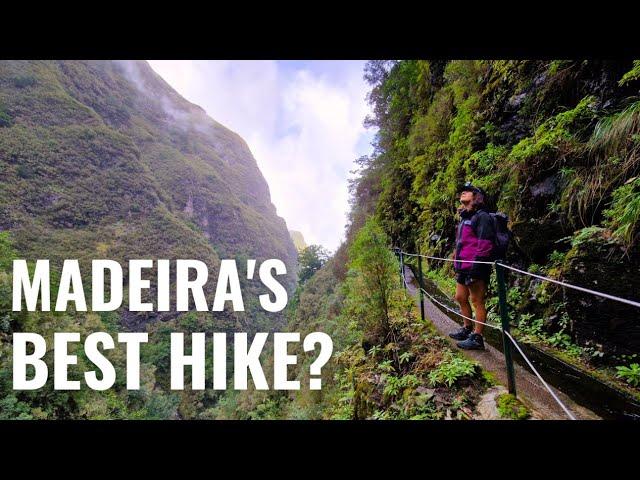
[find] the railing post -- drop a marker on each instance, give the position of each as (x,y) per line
(420,287)
(404,285)
(504,317)
(396,252)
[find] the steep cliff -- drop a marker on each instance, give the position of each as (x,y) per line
(298,239)
(556,146)
(104,159)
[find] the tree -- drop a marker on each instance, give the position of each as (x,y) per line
(311,259)
(373,279)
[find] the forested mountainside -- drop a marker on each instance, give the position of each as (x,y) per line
(96,155)
(556,144)
(102,159)
(386,363)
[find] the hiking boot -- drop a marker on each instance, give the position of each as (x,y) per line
(462,334)
(473,342)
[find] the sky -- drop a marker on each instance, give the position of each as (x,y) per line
(302,120)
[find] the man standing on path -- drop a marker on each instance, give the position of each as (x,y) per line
(474,242)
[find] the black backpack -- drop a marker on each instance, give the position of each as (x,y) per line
(504,236)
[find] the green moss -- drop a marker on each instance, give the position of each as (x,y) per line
(489,378)
(584,235)
(631,75)
(7,251)
(553,133)
(555,143)
(557,65)
(511,408)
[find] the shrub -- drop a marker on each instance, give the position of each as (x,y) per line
(373,278)
(24,81)
(5,119)
(452,369)
(25,171)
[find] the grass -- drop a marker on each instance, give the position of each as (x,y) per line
(623,214)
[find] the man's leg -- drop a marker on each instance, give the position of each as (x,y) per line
(462,297)
(478,294)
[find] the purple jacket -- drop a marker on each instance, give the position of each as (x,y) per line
(474,240)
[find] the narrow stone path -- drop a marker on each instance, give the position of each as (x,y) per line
(529,388)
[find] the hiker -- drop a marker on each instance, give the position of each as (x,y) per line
(474,241)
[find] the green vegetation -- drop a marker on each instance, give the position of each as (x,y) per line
(95,164)
(103,159)
(451,370)
(553,134)
(386,363)
(511,408)
(5,119)
(47,403)
(556,146)
(310,260)
(631,75)
(24,81)
(630,374)
(90,166)
(623,216)
(372,282)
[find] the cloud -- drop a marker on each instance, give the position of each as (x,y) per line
(302,122)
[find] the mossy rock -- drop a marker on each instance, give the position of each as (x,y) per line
(364,404)
(509,407)
(598,262)
(536,237)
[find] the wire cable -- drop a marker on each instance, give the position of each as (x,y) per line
(546,386)
(446,259)
(524,272)
(575,287)
(458,313)
(551,392)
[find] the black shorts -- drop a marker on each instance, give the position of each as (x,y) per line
(480,272)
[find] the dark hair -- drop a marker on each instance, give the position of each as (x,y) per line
(478,200)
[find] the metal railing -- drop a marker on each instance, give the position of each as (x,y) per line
(507,338)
